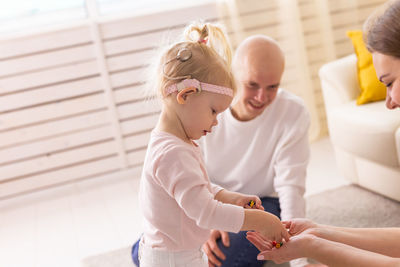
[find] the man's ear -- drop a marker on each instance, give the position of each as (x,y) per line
(181,96)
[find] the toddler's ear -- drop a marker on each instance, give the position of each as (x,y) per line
(181,96)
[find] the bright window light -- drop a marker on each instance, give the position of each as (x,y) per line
(17,15)
(21,15)
(137,7)
(117,6)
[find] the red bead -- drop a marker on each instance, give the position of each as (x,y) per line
(274,243)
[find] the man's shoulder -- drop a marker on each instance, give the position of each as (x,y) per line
(290,100)
(291,108)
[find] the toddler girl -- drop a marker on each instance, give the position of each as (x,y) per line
(179,204)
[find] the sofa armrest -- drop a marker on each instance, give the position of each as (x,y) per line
(339,81)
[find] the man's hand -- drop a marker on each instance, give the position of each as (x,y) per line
(212,250)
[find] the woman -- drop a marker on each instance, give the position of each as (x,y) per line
(383,40)
(338,246)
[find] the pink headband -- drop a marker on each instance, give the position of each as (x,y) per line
(177,87)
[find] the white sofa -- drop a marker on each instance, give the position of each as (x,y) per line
(366,138)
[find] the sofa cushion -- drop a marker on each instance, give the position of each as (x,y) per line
(371,88)
(339,81)
(368,131)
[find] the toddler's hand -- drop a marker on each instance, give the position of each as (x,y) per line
(274,229)
(239,199)
(249,201)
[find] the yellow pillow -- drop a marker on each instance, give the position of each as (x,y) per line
(371,88)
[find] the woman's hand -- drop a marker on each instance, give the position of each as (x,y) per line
(299,225)
(294,249)
(265,245)
(259,241)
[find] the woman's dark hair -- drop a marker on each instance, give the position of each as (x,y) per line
(383,31)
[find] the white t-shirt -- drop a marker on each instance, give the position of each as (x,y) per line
(266,156)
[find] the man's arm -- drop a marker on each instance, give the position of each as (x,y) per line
(292,157)
(290,169)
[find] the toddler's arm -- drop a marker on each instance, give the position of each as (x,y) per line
(267,224)
(238,199)
(258,220)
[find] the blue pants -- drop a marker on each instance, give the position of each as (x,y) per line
(241,252)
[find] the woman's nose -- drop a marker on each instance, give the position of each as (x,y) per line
(390,104)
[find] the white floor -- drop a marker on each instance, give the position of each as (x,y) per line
(59,227)
(322,172)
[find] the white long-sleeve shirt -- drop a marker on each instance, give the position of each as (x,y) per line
(177,198)
(266,156)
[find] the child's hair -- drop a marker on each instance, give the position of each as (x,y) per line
(210,60)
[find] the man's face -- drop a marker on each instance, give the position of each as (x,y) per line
(258,87)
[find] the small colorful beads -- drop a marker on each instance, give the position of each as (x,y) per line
(277,245)
(251,203)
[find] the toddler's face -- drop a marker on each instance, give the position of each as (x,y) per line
(199,113)
(388,72)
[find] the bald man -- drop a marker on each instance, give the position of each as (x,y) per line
(260,147)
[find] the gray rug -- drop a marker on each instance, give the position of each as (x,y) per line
(353,206)
(349,206)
